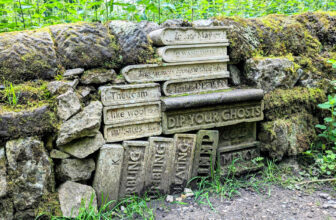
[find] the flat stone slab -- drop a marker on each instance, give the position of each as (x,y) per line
(192,101)
(115,133)
(197,52)
(205,153)
(196,85)
(188,35)
(134,168)
(240,156)
(237,134)
(160,165)
(108,173)
(190,119)
(183,162)
(126,114)
(129,94)
(171,71)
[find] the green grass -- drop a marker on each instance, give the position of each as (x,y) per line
(31,14)
(216,185)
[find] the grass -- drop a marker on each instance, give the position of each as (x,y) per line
(216,185)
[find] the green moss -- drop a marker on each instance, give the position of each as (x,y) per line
(49,206)
(282,103)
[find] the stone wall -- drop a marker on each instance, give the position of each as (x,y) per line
(127,93)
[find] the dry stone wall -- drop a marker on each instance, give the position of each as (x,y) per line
(191,95)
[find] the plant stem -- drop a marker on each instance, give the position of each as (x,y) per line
(22,16)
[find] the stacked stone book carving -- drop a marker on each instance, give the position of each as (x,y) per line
(158,142)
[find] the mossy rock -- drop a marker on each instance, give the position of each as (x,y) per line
(37,121)
(282,103)
(85,45)
(27,55)
(288,136)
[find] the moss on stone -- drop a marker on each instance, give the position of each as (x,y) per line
(281,103)
(49,206)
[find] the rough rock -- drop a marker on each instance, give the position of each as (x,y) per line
(60,87)
(175,23)
(68,105)
(6,209)
(75,169)
(235,75)
(83,124)
(84,147)
(39,121)
(73,73)
(98,76)
(282,103)
(3,171)
(271,73)
(30,172)
(72,194)
(133,40)
(287,137)
(170,198)
(27,55)
(148,26)
(56,154)
(84,45)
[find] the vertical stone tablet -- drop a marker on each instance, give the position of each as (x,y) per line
(160,165)
(134,168)
(108,171)
(237,134)
(205,153)
(129,94)
(184,157)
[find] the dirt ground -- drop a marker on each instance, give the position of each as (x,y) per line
(275,203)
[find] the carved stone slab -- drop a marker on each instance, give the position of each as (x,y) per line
(205,153)
(188,35)
(195,85)
(134,168)
(126,114)
(160,165)
(210,117)
(237,134)
(184,157)
(108,171)
(129,94)
(240,156)
(170,71)
(115,133)
(197,52)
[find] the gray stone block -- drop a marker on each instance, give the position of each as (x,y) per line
(84,147)
(196,85)
(68,105)
(160,165)
(183,161)
(196,52)
(134,168)
(190,119)
(75,169)
(71,195)
(115,133)
(188,35)
(108,174)
(238,95)
(174,71)
(205,153)
(129,94)
(126,114)
(237,134)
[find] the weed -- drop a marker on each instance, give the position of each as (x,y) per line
(9,94)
